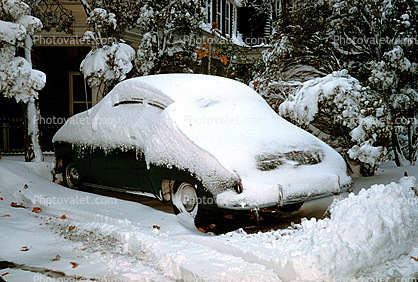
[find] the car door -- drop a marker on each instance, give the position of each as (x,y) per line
(116,167)
(121,167)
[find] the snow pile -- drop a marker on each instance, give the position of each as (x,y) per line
(107,241)
(368,236)
(364,231)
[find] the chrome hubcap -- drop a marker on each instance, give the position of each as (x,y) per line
(188,196)
(72,176)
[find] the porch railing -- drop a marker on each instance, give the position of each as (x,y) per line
(12,136)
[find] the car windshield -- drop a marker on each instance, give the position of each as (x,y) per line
(271,161)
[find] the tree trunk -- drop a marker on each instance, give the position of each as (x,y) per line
(33,151)
(399,157)
(410,147)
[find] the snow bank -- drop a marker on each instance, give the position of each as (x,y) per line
(364,232)
(128,250)
(371,235)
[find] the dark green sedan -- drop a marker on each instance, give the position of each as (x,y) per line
(200,142)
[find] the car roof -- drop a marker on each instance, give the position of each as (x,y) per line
(196,89)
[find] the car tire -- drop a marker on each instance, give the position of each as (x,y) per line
(71,177)
(186,205)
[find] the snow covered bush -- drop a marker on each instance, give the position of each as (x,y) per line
(395,77)
(109,61)
(376,42)
(17,78)
(348,116)
(298,46)
(108,64)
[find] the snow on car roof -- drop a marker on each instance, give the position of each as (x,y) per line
(195,89)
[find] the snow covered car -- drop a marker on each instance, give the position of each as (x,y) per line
(199,141)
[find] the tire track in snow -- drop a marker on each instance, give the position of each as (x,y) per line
(160,253)
(54,274)
(175,259)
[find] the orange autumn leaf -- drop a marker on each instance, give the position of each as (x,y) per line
(6,215)
(255,83)
(63,216)
(202,55)
(73,264)
(71,227)
(36,210)
(1,198)
(56,258)
(201,229)
(414,258)
(223,59)
(4,274)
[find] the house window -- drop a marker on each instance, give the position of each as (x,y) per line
(222,12)
(80,94)
(228,20)
(219,16)
(208,10)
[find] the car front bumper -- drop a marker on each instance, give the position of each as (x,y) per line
(282,195)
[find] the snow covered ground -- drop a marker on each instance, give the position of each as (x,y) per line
(51,233)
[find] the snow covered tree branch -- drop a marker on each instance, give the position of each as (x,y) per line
(109,60)
(165,27)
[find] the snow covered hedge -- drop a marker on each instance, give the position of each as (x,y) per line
(358,115)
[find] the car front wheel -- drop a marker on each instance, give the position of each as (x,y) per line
(187,207)
(71,177)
